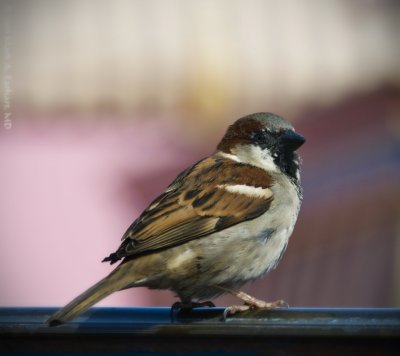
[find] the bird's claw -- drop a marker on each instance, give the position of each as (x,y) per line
(234,309)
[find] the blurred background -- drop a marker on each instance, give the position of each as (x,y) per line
(105,102)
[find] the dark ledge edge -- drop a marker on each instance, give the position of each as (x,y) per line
(209,321)
(118,331)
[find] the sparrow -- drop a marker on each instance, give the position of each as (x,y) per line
(221,223)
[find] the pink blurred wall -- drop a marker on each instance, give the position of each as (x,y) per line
(64,207)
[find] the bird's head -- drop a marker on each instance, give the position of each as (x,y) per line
(264,140)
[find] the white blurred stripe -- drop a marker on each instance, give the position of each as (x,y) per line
(205,55)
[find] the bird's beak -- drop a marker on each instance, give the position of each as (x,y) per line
(291,141)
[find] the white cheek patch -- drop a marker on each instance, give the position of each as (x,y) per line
(256,156)
(248,190)
(263,158)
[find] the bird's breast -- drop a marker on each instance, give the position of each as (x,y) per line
(252,248)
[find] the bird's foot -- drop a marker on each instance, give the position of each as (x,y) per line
(249,303)
(190,305)
(259,304)
(184,308)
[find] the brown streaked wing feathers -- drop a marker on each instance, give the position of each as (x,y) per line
(187,211)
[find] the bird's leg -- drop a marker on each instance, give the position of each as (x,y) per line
(254,302)
(249,302)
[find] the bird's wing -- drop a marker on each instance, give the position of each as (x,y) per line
(214,194)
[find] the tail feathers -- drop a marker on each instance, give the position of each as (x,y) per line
(112,283)
(113,258)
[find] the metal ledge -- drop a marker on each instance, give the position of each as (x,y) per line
(294,330)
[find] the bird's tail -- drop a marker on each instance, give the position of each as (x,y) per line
(116,280)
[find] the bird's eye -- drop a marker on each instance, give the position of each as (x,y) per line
(260,136)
